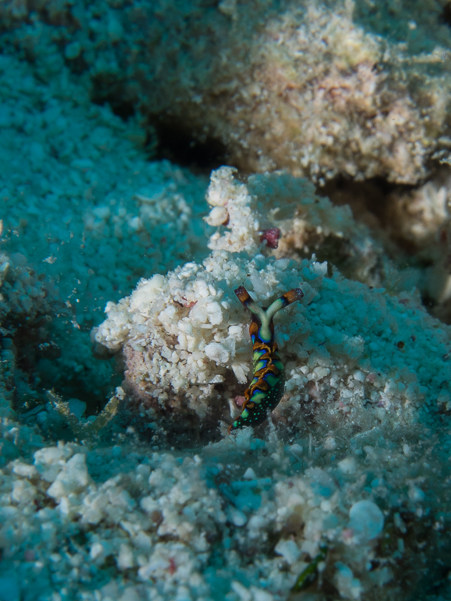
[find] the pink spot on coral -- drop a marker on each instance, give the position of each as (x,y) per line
(187,303)
(347,534)
(271,237)
(239,401)
(172,566)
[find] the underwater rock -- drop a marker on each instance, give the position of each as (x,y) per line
(312,88)
(366,519)
(29,301)
(81,200)
(26,297)
(349,480)
(352,352)
(157,520)
(420,222)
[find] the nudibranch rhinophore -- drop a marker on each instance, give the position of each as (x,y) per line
(266,388)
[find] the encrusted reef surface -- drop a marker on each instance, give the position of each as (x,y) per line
(317,88)
(118,478)
(354,350)
(124,522)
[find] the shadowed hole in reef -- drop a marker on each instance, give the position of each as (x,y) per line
(122,109)
(370,202)
(446,14)
(40,366)
(179,144)
(109,90)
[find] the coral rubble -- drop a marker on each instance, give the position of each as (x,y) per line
(313,88)
(347,346)
(133,490)
(122,522)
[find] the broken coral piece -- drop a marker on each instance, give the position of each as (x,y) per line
(350,347)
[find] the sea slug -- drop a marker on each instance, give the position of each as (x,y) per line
(266,388)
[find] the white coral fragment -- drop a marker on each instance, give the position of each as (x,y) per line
(366,519)
(182,332)
(218,216)
(216,352)
(225,191)
(73,478)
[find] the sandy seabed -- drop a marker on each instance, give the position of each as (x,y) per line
(118,478)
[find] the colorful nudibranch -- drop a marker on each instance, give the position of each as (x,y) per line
(266,388)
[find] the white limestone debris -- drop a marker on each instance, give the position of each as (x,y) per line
(350,350)
(322,90)
(146,497)
(158,519)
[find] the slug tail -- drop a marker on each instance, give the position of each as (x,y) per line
(243,295)
(293,295)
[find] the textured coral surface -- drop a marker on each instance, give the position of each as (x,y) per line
(319,89)
(118,480)
(348,346)
(363,365)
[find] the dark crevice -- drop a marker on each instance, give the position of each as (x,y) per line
(180,145)
(369,200)
(108,89)
(371,203)
(77,65)
(121,108)
(446,14)
(167,137)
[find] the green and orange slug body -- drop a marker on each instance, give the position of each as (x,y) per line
(266,388)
